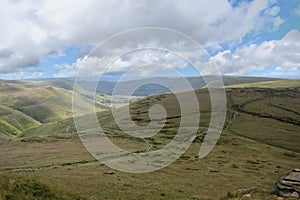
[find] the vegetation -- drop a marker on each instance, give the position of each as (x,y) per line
(268,84)
(25,105)
(105,87)
(259,143)
(13,122)
(12,188)
(270,116)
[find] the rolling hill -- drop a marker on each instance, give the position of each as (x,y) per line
(268,84)
(268,115)
(106,87)
(28,104)
(259,143)
(13,122)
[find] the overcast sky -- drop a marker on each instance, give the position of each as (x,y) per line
(41,39)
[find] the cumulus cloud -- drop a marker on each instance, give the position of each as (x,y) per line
(35,31)
(282,54)
(143,63)
(141,50)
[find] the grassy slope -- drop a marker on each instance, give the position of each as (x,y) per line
(253,152)
(19,188)
(13,122)
(271,116)
(44,104)
(268,84)
(26,104)
(273,149)
(153,89)
(44,101)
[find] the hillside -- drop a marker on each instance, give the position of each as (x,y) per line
(27,104)
(13,122)
(259,143)
(271,116)
(44,104)
(106,87)
(268,84)
(48,100)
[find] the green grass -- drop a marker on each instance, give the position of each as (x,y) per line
(15,188)
(48,101)
(44,104)
(24,105)
(268,84)
(254,151)
(271,116)
(235,163)
(13,122)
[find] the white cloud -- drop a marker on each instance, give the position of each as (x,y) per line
(68,70)
(142,63)
(37,74)
(32,31)
(283,54)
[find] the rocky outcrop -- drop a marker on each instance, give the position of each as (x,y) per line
(288,185)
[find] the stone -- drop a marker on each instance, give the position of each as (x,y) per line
(288,185)
(109,172)
(246,196)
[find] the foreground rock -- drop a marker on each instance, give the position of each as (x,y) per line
(288,185)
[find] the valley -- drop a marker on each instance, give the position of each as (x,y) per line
(260,142)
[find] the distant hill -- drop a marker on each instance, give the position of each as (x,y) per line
(44,104)
(260,142)
(13,122)
(50,100)
(268,84)
(106,87)
(269,115)
(24,104)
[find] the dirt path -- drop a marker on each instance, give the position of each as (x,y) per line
(30,169)
(67,130)
(236,109)
(239,108)
(232,118)
(149,145)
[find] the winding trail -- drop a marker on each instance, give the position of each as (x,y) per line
(149,145)
(238,108)
(232,118)
(235,109)
(31,169)
(78,163)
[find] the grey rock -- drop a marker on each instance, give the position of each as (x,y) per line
(181,190)
(288,185)
(109,172)
(246,196)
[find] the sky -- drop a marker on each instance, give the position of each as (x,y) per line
(51,39)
